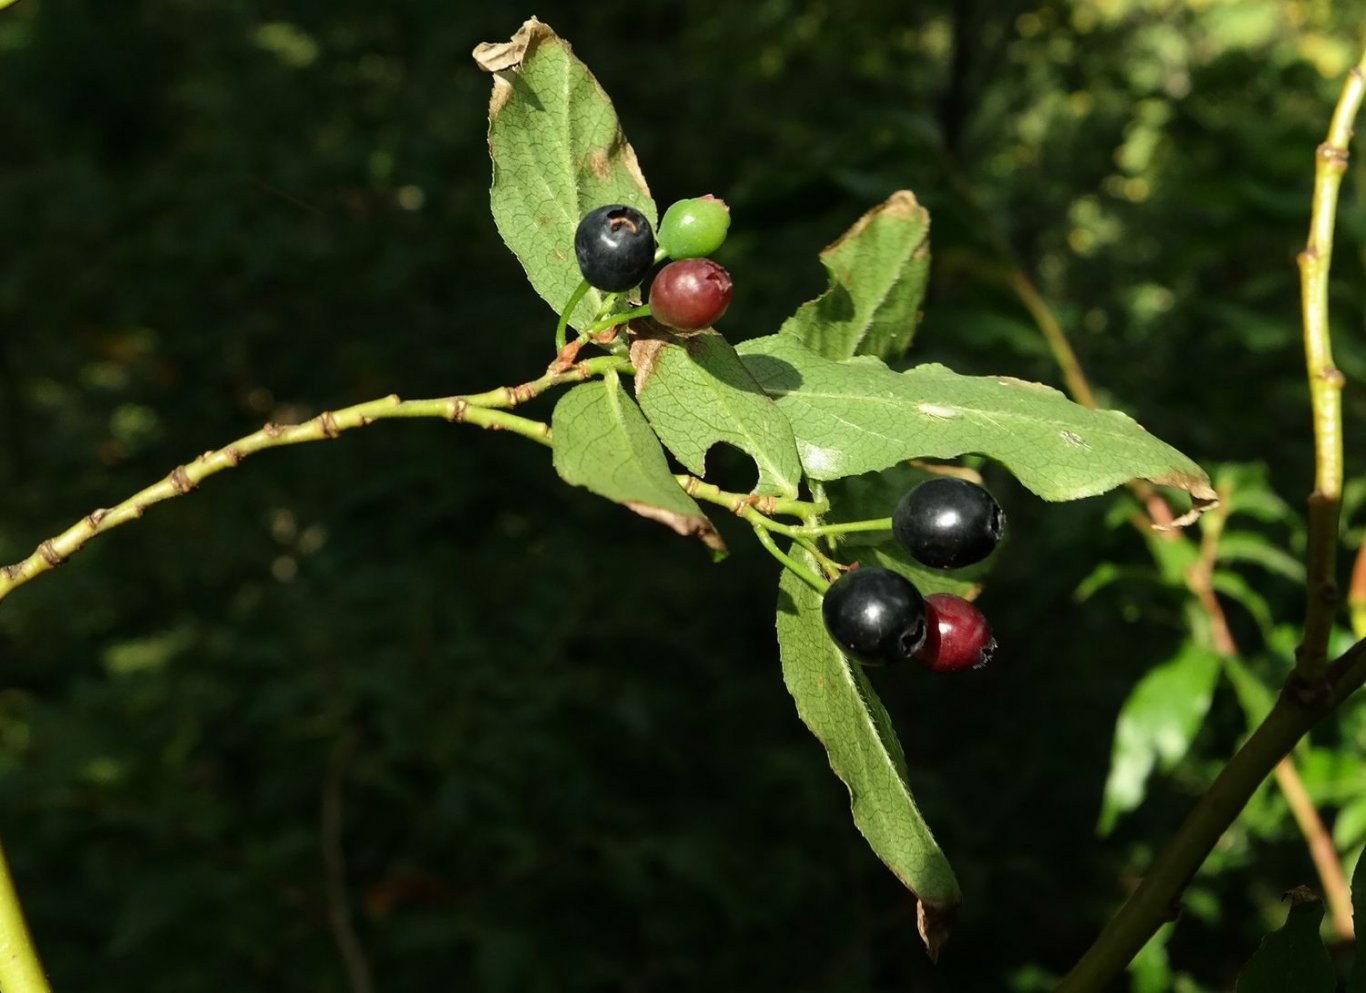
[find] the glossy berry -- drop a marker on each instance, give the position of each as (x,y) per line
(693,229)
(875,616)
(615,247)
(958,635)
(690,294)
(948,523)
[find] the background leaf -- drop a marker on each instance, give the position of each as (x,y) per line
(697,392)
(558,152)
(878,270)
(836,701)
(1292,957)
(603,443)
(1156,725)
(858,416)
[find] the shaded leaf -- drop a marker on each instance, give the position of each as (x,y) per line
(877,275)
(696,393)
(558,152)
(1254,696)
(858,416)
(1155,727)
(1238,589)
(836,701)
(1292,957)
(603,443)
(1247,546)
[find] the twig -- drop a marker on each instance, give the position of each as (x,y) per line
(357,964)
(487,410)
(1325,388)
(20,970)
(1356,594)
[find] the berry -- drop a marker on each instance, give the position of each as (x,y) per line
(690,294)
(948,523)
(958,637)
(875,616)
(692,229)
(615,247)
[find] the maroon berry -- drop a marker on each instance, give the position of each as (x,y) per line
(690,294)
(958,637)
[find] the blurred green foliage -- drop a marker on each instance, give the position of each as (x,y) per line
(559,736)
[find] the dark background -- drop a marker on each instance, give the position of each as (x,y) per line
(550,738)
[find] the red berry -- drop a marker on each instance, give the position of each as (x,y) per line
(958,637)
(690,294)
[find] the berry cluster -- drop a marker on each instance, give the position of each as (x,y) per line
(877,616)
(615,249)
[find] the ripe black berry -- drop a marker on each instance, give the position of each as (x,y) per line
(615,247)
(690,294)
(875,616)
(958,638)
(948,523)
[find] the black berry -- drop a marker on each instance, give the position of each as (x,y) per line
(948,523)
(958,635)
(875,616)
(690,294)
(615,247)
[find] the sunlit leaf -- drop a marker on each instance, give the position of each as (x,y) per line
(603,443)
(1156,726)
(836,701)
(1292,957)
(558,152)
(858,416)
(877,274)
(696,393)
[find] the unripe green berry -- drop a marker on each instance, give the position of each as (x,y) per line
(693,229)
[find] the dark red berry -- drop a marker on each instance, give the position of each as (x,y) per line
(875,616)
(958,637)
(615,247)
(948,523)
(690,294)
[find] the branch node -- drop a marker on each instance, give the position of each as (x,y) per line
(181,481)
(1333,377)
(273,430)
(327,422)
(235,455)
(50,554)
(456,409)
(93,519)
(1334,155)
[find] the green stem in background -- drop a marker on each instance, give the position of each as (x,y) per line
(561,329)
(486,410)
(20,970)
(1154,902)
(1325,386)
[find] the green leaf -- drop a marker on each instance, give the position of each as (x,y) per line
(1293,957)
(558,152)
(696,392)
(858,416)
(602,442)
(877,274)
(1151,971)
(1248,546)
(1254,696)
(1356,982)
(836,701)
(1156,725)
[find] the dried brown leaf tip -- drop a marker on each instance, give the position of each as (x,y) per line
(688,525)
(500,56)
(934,923)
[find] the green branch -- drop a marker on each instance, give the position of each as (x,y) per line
(486,410)
(1325,387)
